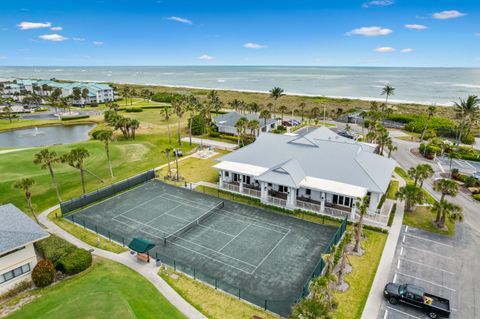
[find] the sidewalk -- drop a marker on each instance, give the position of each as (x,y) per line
(375,297)
(149,271)
(215,144)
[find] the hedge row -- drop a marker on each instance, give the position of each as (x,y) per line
(134,109)
(66,257)
(74,117)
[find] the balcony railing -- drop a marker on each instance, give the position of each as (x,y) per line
(277,201)
(309,206)
(252,192)
(336,212)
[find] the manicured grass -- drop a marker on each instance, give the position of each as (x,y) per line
(212,303)
(422,218)
(128,158)
(85,235)
(392,189)
(107,290)
(196,169)
(352,302)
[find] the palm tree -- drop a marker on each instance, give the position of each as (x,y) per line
(7,110)
(84,95)
(265,114)
(466,110)
(126,93)
(430,113)
(47,159)
(387,90)
(191,106)
(314,112)
(282,110)
(391,148)
(76,158)
(276,93)
(301,107)
(214,102)
(445,187)
(254,126)
(166,111)
(442,209)
(425,171)
(106,136)
(412,195)
(167,151)
(362,208)
(254,107)
(25,184)
(179,108)
(76,94)
(240,126)
(235,104)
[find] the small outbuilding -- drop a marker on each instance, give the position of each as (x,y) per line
(142,247)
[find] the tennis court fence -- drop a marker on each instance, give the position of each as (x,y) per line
(105,192)
(281,307)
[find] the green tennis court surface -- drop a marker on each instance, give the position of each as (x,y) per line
(264,257)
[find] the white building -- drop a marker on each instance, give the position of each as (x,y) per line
(319,171)
(226,122)
(17,254)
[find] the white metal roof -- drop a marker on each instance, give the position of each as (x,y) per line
(241,168)
(333,187)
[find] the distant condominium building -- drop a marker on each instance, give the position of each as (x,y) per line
(89,92)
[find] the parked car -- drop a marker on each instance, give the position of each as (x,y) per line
(286,123)
(415,296)
(476,175)
(177,152)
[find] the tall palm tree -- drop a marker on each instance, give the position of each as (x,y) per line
(426,171)
(391,148)
(254,107)
(235,104)
(362,208)
(446,187)
(214,102)
(47,159)
(254,126)
(126,93)
(240,126)
(412,195)
(388,91)
(76,94)
(106,136)
(192,107)
(466,110)
(84,95)
(314,112)
(430,113)
(442,209)
(276,93)
(76,158)
(7,111)
(265,114)
(25,184)
(167,151)
(179,108)
(301,107)
(166,111)
(282,110)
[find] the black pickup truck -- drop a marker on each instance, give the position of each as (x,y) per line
(414,296)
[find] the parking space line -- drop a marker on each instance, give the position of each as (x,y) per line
(428,266)
(395,278)
(403,313)
(385,315)
(398,264)
(458,163)
(403,238)
(401,251)
(429,252)
(427,281)
(430,240)
(406,229)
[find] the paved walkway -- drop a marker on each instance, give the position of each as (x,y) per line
(375,297)
(149,271)
(215,144)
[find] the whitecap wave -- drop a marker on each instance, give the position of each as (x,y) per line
(466,85)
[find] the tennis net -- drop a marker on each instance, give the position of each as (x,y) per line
(186,228)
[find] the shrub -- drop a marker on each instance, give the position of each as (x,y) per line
(53,248)
(198,125)
(43,273)
(164,97)
(75,262)
(134,109)
(93,104)
(18,288)
(74,117)
(477,197)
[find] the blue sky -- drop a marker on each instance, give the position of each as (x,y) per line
(243,32)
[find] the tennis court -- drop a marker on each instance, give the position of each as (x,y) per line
(261,256)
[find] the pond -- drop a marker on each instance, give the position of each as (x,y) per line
(45,135)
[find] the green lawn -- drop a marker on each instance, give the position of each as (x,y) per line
(403,174)
(196,169)
(352,302)
(422,218)
(128,158)
(107,290)
(85,235)
(392,190)
(212,303)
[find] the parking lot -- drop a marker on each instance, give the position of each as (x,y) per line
(429,261)
(460,164)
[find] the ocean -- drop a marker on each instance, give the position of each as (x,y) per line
(441,86)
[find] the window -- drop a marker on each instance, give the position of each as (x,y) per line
(347,201)
(14,273)
(226,174)
(308,191)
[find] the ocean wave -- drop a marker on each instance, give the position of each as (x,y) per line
(465,85)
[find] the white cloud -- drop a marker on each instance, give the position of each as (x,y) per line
(448,14)
(385,49)
(56,28)
(78,39)
(378,3)
(53,37)
(33,25)
(98,43)
(370,31)
(416,26)
(251,45)
(206,57)
(179,19)
(407,50)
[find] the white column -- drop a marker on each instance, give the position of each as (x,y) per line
(323,197)
(241,183)
(264,192)
(374,199)
(220,179)
(292,197)
(353,211)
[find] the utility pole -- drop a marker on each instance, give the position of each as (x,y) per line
(324,116)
